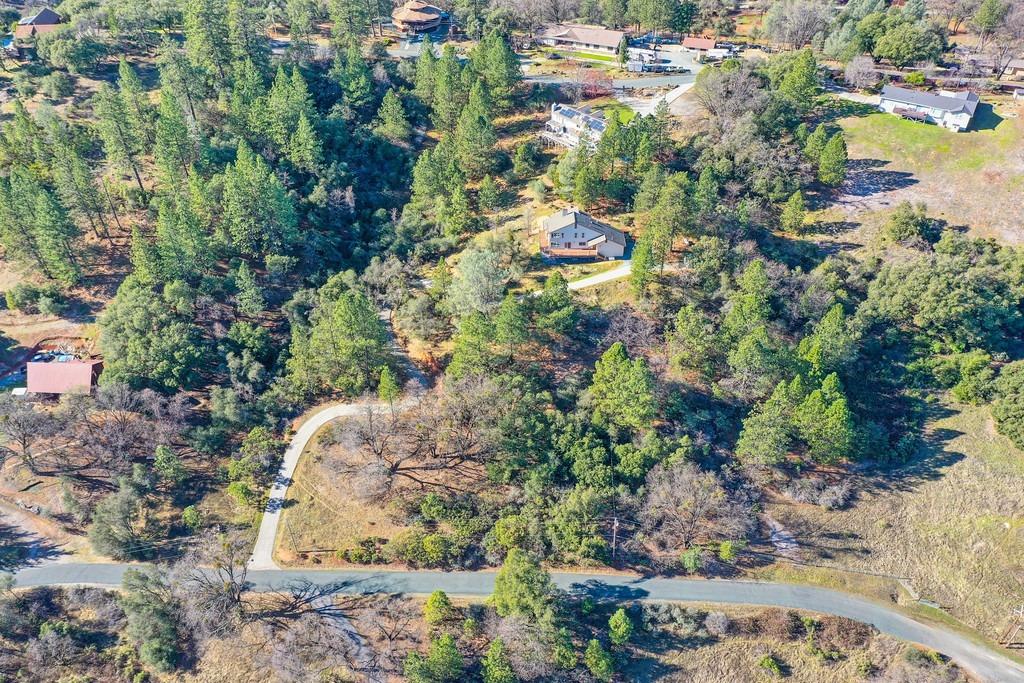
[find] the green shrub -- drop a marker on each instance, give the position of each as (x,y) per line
(29,298)
(57,85)
(914,78)
(770,664)
(367,551)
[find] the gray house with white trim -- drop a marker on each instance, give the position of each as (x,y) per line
(574,234)
(952,110)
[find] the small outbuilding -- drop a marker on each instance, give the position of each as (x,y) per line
(70,376)
(573,234)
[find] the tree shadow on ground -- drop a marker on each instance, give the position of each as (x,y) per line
(837,108)
(20,548)
(866,178)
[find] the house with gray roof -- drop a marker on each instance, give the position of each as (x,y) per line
(568,126)
(573,234)
(952,110)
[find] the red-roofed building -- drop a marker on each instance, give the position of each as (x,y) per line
(698,43)
(40,23)
(63,377)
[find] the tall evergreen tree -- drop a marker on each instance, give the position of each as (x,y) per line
(137,106)
(258,213)
(474,136)
(175,150)
(392,121)
(832,164)
(206,28)
(448,95)
(121,141)
(426,69)
(247,34)
(73,178)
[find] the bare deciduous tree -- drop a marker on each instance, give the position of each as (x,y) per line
(860,72)
(685,507)
(450,431)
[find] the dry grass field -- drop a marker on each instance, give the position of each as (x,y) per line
(952,522)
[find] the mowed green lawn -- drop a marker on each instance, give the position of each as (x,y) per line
(928,147)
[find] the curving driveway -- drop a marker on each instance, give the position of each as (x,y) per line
(263,551)
(975,658)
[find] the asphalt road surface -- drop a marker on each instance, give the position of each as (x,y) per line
(977,659)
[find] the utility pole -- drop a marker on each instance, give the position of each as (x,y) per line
(615,536)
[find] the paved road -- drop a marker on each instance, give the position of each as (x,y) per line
(622,83)
(977,659)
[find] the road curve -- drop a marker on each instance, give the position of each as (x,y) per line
(263,550)
(977,659)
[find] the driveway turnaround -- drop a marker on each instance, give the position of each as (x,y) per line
(977,659)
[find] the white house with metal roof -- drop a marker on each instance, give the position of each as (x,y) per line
(574,234)
(952,110)
(568,126)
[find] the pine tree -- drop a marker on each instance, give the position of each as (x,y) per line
(304,149)
(146,267)
(179,74)
(247,34)
(622,390)
(357,81)
(832,165)
(73,177)
(825,422)
(137,107)
(205,32)
(258,213)
(488,195)
(642,271)
(175,151)
(497,668)
(816,143)
(800,84)
(599,661)
(449,95)
(499,67)
(511,326)
(793,213)
(388,390)
(620,627)
(647,196)
(55,235)
(705,196)
(426,69)
(248,297)
(349,20)
(474,135)
(586,186)
(766,435)
(392,121)
(455,214)
(181,243)
(247,105)
(121,141)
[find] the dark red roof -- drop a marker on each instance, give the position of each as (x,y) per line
(68,377)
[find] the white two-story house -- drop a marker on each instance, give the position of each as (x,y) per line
(568,126)
(952,110)
(574,234)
